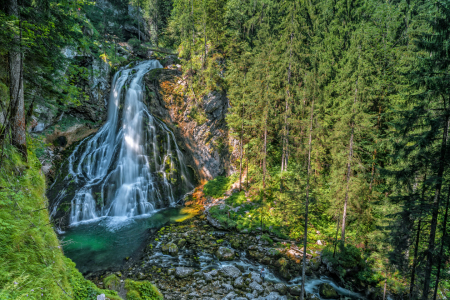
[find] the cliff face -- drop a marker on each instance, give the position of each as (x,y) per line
(198,124)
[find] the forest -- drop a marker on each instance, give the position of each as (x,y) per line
(338,109)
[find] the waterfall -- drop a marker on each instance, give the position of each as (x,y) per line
(132,166)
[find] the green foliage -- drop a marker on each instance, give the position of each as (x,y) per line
(34,266)
(236,199)
(142,290)
(217,187)
(197,114)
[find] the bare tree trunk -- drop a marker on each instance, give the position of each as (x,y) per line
(416,249)
(384,289)
(17,102)
(139,22)
(242,150)
(349,168)
(441,251)
(265,153)
(434,216)
(305,238)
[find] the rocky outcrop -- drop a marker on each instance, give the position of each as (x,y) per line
(198,124)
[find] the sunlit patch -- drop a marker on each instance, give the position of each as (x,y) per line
(131,143)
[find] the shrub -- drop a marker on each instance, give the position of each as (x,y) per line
(217,187)
(142,290)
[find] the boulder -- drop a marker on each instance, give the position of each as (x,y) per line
(170,248)
(272,296)
(225,253)
(311,297)
(230,271)
(182,272)
(295,290)
(227,287)
(256,277)
(239,282)
(280,288)
(326,291)
(254,286)
(181,243)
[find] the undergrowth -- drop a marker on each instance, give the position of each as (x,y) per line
(32,264)
(142,290)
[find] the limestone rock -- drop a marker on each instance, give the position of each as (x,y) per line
(225,253)
(295,290)
(170,248)
(239,282)
(181,272)
(280,288)
(256,287)
(231,271)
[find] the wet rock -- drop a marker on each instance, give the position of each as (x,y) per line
(272,296)
(256,287)
(239,282)
(170,248)
(225,253)
(312,297)
(101,297)
(230,271)
(228,287)
(182,272)
(181,243)
(327,291)
(280,288)
(256,277)
(208,277)
(214,223)
(193,295)
(295,290)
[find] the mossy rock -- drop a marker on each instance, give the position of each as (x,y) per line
(224,253)
(170,248)
(181,243)
(142,290)
(111,282)
(327,291)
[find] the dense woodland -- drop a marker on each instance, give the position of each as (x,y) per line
(341,110)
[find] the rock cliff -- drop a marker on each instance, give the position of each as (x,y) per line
(206,140)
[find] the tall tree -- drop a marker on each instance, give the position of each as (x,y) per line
(17,102)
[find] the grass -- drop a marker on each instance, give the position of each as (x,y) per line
(32,264)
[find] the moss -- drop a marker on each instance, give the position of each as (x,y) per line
(142,290)
(32,259)
(111,282)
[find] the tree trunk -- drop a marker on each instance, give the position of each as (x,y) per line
(349,168)
(416,249)
(242,153)
(18,130)
(305,238)
(434,217)
(265,153)
(444,237)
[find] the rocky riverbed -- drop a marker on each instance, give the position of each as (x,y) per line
(193,260)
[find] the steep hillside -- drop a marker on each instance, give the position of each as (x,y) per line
(33,265)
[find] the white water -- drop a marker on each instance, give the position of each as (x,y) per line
(119,167)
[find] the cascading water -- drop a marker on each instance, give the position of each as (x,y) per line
(133,165)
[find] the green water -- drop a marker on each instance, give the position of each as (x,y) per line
(106,243)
